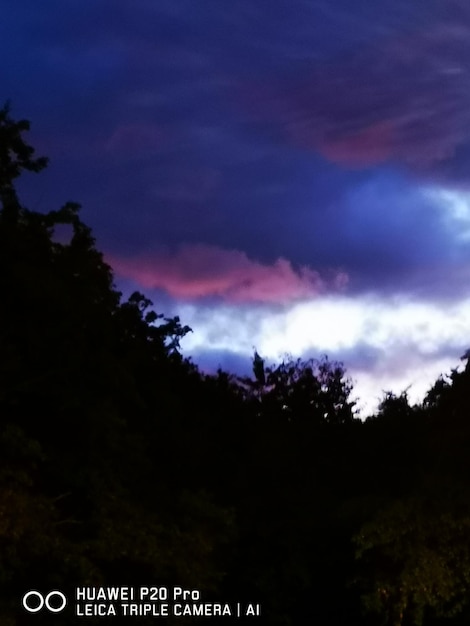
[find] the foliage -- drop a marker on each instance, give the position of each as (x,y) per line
(419,559)
(81,375)
(315,390)
(15,156)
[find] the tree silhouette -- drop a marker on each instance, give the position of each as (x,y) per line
(315,390)
(90,389)
(16,156)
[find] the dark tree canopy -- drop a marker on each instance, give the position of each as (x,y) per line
(16,156)
(313,390)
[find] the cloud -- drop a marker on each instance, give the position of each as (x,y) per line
(268,135)
(201,271)
(404,99)
(368,146)
(146,128)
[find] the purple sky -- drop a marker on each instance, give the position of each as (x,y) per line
(286,174)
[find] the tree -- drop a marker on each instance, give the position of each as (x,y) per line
(315,390)
(15,156)
(90,388)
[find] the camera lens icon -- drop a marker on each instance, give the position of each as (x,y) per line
(54,601)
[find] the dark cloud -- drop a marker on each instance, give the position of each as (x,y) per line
(274,129)
(235,157)
(402,100)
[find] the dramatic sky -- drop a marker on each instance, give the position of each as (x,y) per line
(290,175)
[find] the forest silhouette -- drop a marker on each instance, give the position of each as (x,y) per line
(123,464)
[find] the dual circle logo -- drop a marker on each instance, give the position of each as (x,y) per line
(55,601)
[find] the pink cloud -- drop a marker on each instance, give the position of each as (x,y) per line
(404,100)
(370,145)
(198,271)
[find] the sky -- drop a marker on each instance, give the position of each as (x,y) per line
(286,175)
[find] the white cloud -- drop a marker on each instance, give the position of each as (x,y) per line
(409,342)
(456,209)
